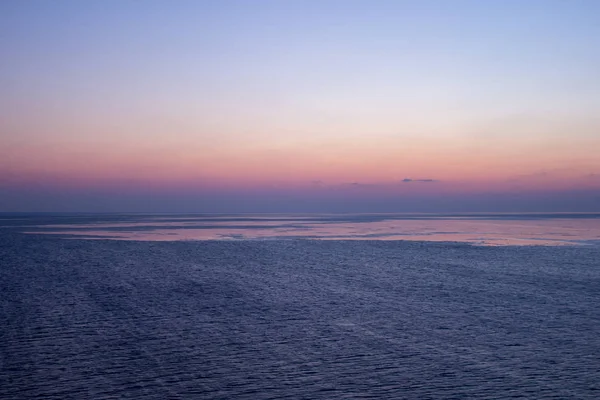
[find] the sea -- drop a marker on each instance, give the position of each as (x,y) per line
(475,228)
(300,306)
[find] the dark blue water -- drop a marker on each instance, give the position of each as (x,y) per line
(296,319)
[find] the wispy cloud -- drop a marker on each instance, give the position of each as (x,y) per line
(592,175)
(383,185)
(364,185)
(408,180)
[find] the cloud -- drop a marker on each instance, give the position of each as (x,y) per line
(390,185)
(592,175)
(363,185)
(408,180)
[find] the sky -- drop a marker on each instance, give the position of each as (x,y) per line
(299,106)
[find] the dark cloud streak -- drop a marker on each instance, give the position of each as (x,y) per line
(408,180)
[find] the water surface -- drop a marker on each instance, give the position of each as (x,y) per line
(482,228)
(296,319)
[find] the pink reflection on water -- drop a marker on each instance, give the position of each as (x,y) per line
(554,231)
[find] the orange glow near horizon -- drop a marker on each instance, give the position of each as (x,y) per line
(379,161)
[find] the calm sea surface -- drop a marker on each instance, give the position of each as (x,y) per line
(284,318)
(484,229)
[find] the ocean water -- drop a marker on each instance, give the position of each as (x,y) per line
(481,229)
(286,318)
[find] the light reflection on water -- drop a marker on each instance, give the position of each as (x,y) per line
(491,229)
